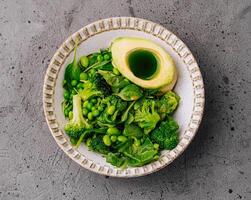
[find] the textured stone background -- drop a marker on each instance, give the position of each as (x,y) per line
(217,165)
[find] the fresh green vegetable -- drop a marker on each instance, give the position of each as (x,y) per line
(166,134)
(133,130)
(146,116)
(72,71)
(89,91)
(141,155)
(96,144)
(128,124)
(113,131)
(83,76)
(115,81)
(76,126)
(168,103)
(107,140)
(84,61)
(130,93)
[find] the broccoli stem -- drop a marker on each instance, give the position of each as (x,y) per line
(80,140)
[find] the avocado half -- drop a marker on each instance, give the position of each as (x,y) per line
(164,76)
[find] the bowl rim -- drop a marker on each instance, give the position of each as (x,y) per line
(129,23)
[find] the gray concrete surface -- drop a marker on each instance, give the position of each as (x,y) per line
(217,165)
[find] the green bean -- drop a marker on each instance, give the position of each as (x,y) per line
(122,138)
(90,116)
(113,131)
(113,138)
(106,140)
(84,61)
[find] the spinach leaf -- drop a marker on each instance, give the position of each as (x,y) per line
(130,93)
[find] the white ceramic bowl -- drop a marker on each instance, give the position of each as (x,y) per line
(99,35)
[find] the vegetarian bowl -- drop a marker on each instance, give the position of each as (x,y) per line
(109,99)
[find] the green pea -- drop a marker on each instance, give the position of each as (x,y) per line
(94,101)
(85,112)
(84,61)
(92,71)
(83,76)
(74,83)
(70,115)
(116,71)
(90,116)
(106,140)
(100,108)
(122,138)
(95,113)
(110,110)
(66,94)
(89,106)
(106,57)
(113,138)
(80,85)
(85,104)
(156,146)
(100,58)
(93,108)
(113,131)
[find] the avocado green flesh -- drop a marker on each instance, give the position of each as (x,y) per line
(143,64)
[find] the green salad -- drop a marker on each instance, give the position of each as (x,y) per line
(128,124)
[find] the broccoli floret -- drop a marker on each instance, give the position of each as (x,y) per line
(89,91)
(97,144)
(146,116)
(102,85)
(114,104)
(166,135)
(167,104)
(75,127)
